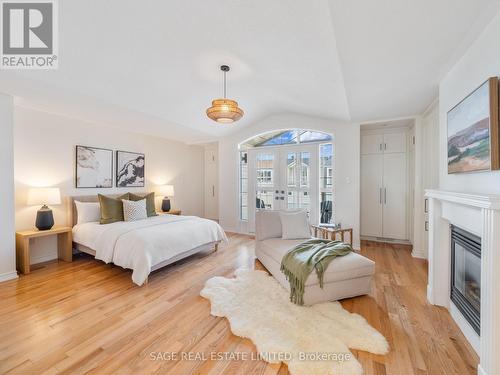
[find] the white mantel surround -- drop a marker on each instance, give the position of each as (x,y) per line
(478,214)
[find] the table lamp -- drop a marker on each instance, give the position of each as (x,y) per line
(167,191)
(44,196)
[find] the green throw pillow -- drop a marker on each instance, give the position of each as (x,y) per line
(111,208)
(150,202)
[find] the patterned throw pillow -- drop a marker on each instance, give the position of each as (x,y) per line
(134,210)
(150,202)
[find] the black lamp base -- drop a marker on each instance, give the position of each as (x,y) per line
(44,218)
(165,205)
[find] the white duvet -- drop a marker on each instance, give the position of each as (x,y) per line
(140,245)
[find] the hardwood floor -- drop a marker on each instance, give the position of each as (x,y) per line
(88,317)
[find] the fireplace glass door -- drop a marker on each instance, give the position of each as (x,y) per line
(466,274)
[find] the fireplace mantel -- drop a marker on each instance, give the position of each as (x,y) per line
(479,214)
(491,202)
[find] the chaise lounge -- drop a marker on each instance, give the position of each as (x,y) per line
(346,276)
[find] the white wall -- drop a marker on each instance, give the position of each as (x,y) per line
(481,61)
(44,149)
(430,140)
(346,149)
(7,239)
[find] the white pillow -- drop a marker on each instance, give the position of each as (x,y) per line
(267,224)
(134,210)
(87,212)
(294,225)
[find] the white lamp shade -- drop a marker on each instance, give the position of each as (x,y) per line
(166,190)
(41,196)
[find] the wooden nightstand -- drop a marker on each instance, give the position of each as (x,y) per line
(64,245)
(171,212)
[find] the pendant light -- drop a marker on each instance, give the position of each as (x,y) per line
(224,111)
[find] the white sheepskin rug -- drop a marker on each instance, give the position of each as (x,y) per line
(309,339)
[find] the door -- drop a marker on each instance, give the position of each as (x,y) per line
(281,178)
(300,181)
(394,196)
(372,144)
(394,142)
(263,182)
(371,195)
(211,179)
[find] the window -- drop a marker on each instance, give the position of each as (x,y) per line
(291,200)
(264,169)
(305,158)
(310,136)
(291,167)
(285,137)
(329,174)
(326,183)
(265,199)
(265,176)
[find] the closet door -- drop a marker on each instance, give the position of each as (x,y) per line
(394,142)
(394,196)
(371,195)
(371,144)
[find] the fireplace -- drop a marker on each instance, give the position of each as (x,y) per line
(466,275)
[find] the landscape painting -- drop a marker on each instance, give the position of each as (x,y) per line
(94,167)
(473,131)
(129,169)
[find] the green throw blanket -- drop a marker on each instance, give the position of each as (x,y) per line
(299,262)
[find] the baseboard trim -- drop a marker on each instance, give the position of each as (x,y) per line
(8,276)
(418,254)
(430,296)
(231,230)
(385,240)
(43,258)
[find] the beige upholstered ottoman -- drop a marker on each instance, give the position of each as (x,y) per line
(347,276)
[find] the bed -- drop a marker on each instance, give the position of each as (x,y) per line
(145,245)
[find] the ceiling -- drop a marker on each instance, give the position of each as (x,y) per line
(154,68)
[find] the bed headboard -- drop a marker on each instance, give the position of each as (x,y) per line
(73,216)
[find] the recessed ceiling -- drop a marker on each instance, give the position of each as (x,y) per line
(153,66)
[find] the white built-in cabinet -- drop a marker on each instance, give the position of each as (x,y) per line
(384,185)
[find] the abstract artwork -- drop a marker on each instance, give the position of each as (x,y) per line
(473,131)
(94,167)
(129,169)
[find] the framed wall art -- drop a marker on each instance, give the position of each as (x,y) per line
(94,167)
(130,168)
(473,134)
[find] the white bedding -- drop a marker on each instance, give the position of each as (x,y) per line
(140,245)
